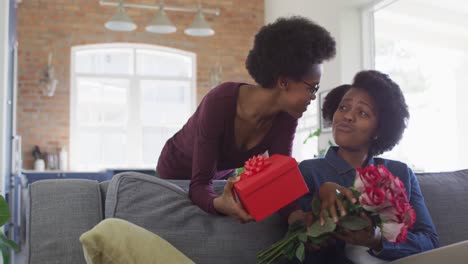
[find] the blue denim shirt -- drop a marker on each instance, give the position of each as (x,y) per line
(333,168)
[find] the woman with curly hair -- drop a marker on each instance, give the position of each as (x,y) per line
(236,121)
(368,119)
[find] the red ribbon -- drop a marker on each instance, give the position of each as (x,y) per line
(255,165)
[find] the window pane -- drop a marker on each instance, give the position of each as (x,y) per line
(102,101)
(164,64)
(306,125)
(113,149)
(88,150)
(421,51)
(153,142)
(165,102)
(104,61)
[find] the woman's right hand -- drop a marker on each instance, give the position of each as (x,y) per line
(227,204)
(308,219)
(328,198)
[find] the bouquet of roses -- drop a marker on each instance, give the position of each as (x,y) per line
(380,195)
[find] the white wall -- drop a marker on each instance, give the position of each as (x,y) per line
(4,8)
(343,19)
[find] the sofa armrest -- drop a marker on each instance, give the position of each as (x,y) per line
(59,211)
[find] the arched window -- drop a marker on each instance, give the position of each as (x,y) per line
(126,101)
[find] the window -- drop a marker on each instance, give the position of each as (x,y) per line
(127,100)
(423,46)
(303,146)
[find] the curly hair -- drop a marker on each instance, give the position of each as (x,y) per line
(390,103)
(332,101)
(288,47)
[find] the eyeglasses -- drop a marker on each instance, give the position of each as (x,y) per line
(313,88)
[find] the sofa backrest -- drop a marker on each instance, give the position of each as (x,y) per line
(165,209)
(59,212)
(444,193)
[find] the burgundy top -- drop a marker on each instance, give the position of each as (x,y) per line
(205,148)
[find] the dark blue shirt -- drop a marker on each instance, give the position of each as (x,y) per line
(333,168)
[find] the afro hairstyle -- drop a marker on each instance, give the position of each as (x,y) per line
(288,47)
(392,109)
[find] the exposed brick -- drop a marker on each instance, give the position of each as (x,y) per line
(57,25)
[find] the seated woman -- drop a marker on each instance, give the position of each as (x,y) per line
(368,119)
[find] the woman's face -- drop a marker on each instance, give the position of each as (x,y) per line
(355,121)
(300,93)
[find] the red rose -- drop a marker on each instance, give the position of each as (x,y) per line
(370,176)
(372,199)
(389,214)
(409,217)
(392,230)
(386,175)
(401,238)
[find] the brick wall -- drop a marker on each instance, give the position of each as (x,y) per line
(57,25)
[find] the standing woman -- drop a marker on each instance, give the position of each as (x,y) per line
(236,121)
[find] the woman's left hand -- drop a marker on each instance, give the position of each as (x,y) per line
(367,237)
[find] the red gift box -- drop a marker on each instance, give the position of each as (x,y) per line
(265,189)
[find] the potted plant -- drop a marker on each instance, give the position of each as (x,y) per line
(5,243)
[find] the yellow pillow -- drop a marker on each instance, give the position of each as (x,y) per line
(118,241)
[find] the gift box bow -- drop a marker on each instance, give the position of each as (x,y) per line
(254,165)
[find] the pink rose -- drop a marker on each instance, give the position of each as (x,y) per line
(386,175)
(372,199)
(389,214)
(359,184)
(400,205)
(397,186)
(391,230)
(370,176)
(409,216)
(402,236)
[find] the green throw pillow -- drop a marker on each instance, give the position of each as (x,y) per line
(120,242)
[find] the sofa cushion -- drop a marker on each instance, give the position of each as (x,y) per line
(116,241)
(444,193)
(60,211)
(165,209)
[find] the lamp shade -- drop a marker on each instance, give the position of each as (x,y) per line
(161,23)
(120,21)
(199,27)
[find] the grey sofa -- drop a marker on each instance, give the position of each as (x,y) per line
(59,211)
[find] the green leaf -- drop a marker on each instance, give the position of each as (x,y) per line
(291,252)
(316,133)
(294,227)
(302,237)
(315,230)
(300,254)
(5,253)
(318,240)
(239,171)
(4,241)
(4,211)
(353,222)
(315,204)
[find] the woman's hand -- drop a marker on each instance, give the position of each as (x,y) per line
(328,198)
(227,204)
(308,219)
(367,237)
